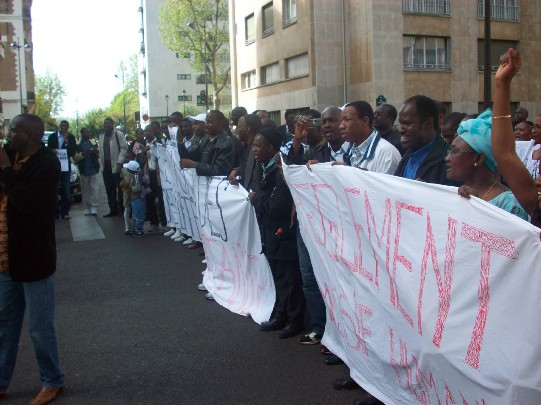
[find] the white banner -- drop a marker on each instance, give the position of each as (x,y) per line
(221,216)
(431,298)
(238,275)
(178,187)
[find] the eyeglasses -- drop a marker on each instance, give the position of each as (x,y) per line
(451,152)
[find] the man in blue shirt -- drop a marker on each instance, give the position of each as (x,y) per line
(425,154)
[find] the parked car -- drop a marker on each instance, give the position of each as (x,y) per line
(75,179)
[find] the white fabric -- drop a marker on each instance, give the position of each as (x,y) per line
(221,217)
(385,160)
(431,298)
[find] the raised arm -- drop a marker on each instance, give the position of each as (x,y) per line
(503,139)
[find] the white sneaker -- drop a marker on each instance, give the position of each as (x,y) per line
(181,238)
(177,234)
(87,212)
(203,273)
(201,287)
(209,296)
(93,211)
(170,232)
(204,261)
(188,241)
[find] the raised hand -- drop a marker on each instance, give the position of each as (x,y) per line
(510,63)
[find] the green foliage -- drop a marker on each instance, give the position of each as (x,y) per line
(49,98)
(93,120)
(199,27)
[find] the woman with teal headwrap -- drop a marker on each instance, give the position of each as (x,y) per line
(470,159)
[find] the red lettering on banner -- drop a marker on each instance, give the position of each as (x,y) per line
(357,264)
(403,363)
(386,226)
(444,286)
(335,231)
(489,242)
(398,258)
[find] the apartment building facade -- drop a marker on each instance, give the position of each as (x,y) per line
(293,54)
(16,60)
(167,82)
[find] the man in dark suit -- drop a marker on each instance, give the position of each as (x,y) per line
(62,139)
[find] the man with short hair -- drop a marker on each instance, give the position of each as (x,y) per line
(112,149)
(249,170)
(521,114)
(426,151)
(63,139)
(307,136)
(29,173)
(235,115)
(384,118)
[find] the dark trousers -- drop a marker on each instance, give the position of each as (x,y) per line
(65,194)
(111,181)
(290,302)
(153,210)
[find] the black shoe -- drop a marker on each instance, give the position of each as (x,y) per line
(273,324)
(291,329)
(333,360)
(111,214)
(367,399)
(347,383)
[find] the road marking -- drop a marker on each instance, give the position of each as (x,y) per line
(84,227)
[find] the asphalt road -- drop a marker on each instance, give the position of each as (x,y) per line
(133,329)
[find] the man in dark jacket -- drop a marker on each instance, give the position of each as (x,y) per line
(62,139)
(273,205)
(30,174)
(425,154)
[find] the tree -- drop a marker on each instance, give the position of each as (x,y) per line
(93,120)
(128,71)
(199,27)
(49,98)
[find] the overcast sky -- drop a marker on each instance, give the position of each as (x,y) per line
(83,43)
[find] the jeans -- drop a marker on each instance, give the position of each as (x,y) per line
(312,293)
(65,196)
(38,299)
(138,213)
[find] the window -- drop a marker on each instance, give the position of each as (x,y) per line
(184,76)
(268,19)
(249,28)
(437,7)
(297,66)
(185,97)
(200,79)
(289,12)
(248,80)
(497,48)
(270,73)
(426,53)
(506,10)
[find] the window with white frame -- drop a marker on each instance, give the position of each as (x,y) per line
(426,52)
(249,29)
(267,13)
(505,10)
(248,80)
(297,66)
(435,7)
(289,12)
(185,97)
(270,73)
(184,76)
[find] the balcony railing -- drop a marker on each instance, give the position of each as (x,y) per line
(434,7)
(504,12)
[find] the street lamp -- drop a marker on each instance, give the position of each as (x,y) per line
(27,47)
(193,26)
(167,105)
(184,99)
(123,99)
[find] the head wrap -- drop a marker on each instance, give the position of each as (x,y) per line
(273,136)
(476,133)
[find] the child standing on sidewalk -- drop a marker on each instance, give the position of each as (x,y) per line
(126,193)
(138,185)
